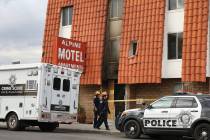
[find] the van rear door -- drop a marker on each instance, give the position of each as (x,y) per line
(75,92)
(60,99)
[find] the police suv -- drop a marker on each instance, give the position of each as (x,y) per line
(179,115)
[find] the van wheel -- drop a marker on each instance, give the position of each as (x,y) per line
(202,132)
(132,129)
(13,123)
(48,127)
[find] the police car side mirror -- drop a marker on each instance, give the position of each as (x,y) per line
(149,107)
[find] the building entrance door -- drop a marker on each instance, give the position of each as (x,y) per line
(119,94)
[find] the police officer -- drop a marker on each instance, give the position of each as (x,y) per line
(104,110)
(96,105)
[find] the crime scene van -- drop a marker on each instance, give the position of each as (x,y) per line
(39,94)
(179,115)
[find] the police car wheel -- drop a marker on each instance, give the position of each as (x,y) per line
(132,129)
(202,132)
(13,123)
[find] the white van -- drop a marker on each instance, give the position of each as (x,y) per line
(40,94)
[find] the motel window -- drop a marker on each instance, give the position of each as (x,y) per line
(116,8)
(175,43)
(66,16)
(56,83)
(66,85)
(176,4)
(114,50)
(133,48)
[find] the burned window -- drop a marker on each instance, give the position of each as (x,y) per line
(66,85)
(133,48)
(57,84)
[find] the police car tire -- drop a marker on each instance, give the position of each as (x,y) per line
(13,123)
(132,124)
(199,129)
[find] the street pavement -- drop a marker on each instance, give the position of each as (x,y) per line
(65,132)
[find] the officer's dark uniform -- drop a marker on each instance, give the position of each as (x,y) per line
(96,102)
(104,107)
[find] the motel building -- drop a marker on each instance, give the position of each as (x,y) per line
(135,49)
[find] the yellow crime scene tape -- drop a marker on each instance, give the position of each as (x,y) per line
(141,100)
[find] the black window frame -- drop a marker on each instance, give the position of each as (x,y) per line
(58,88)
(174,53)
(64,85)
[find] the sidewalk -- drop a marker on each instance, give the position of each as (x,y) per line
(88,128)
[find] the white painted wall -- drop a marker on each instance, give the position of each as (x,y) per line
(174,23)
(65,31)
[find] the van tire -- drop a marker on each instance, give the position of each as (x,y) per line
(48,127)
(13,123)
(132,129)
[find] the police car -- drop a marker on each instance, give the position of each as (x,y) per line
(179,115)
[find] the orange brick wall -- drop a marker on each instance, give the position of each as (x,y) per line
(143,21)
(195,41)
(89,21)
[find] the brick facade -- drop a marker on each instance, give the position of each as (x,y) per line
(195,40)
(89,21)
(144,22)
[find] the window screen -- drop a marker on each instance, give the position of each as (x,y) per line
(56,83)
(66,85)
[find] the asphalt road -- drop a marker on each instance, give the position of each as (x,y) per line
(34,134)
(60,134)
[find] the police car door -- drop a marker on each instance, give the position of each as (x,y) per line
(185,111)
(157,114)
